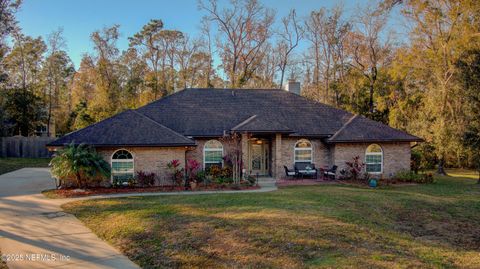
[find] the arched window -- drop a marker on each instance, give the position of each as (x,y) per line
(303,151)
(374,159)
(122,165)
(212,154)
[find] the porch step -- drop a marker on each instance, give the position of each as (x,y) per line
(266,182)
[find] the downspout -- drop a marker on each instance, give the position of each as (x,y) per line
(185,176)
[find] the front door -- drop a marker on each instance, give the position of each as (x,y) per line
(259,155)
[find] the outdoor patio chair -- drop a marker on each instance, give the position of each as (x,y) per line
(331,173)
(289,173)
(306,169)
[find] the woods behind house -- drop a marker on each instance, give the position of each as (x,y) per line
(421,77)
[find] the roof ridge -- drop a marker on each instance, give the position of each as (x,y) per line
(161,125)
(343,127)
(244,122)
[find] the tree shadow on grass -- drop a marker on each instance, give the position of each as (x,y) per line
(283,229)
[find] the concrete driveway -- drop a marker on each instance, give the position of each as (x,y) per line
(35,233)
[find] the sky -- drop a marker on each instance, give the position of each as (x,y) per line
(79,19)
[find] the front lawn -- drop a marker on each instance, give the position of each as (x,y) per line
(12,164)
(436,225)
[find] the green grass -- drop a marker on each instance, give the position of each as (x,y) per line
(323,226)
(12,164)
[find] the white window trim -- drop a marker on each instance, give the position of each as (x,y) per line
(207,149)
(122,161)
(374,154)
(295,149)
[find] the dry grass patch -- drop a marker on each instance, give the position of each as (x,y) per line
(426,226)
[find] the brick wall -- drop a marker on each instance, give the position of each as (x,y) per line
(320,152)
(150,159)
(396,156)
(197,152)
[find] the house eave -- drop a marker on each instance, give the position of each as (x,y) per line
(374,141)
(163,145)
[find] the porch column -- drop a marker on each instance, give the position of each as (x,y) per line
(245,152)
(278,156)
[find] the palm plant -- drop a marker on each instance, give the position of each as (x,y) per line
(79,165)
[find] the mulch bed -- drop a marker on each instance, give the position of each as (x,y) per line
(72,193)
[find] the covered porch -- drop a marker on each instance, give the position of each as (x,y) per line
(267,155)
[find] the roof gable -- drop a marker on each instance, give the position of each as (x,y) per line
(360,129)
(127,128)
(261,124)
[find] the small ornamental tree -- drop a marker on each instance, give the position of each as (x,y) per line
(80,166)
(234,155)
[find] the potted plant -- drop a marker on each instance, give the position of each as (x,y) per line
(193,184)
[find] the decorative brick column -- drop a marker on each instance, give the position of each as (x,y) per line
(245,152)
(278,157)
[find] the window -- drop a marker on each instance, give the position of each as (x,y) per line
(303,151)
(374,159)
(122,165)
(212,154)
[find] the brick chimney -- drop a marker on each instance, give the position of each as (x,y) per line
(293,86)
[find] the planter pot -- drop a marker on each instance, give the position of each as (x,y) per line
(372,183)
(193,185)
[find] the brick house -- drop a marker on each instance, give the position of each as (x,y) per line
(277,128)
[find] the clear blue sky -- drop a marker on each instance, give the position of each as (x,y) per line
(80,18)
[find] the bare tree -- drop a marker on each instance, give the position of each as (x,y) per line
(370,47)
(290,35)
(207,35)
(244,29)
(186,60)
(58,71)
(326,31)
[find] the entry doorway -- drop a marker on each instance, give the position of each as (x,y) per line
(259,157)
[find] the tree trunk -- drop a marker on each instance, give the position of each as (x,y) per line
(79,180)
(478,182)
(370,101)
(441,170)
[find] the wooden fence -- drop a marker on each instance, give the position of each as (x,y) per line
(25,147)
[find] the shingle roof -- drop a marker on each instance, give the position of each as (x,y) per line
(361,129)
(128,128)
(210,112)
(261,124)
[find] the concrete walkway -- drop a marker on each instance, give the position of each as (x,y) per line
(36,233)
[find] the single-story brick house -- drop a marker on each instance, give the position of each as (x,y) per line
(276,127)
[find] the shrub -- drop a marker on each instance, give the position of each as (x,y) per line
(415,161)
(224,180)
(193,167)
(215,171)
(226,172)
(252,180)
(354,169)
(176,172)
(411,177)
(201,176)
(145,179)
(79,166)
